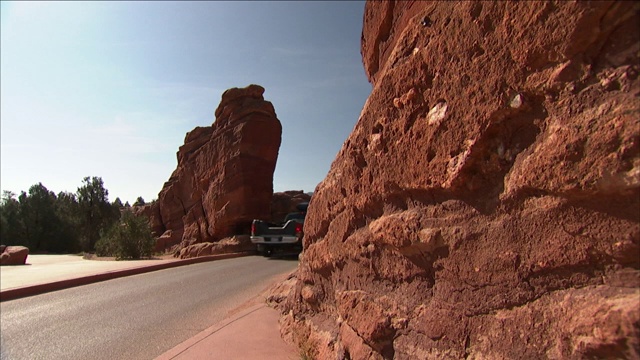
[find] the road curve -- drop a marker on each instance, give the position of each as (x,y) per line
(135,317)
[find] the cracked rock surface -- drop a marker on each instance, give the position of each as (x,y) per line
(487,203)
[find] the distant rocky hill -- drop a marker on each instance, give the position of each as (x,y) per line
(224,177)
(487,203)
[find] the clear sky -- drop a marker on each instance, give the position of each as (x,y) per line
(110,88)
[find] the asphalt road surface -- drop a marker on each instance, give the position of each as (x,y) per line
(135,317)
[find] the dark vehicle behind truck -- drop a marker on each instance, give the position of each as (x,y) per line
(278,238)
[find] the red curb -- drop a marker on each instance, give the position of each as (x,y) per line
(15,293)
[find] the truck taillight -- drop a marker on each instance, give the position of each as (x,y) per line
(298,228)
(253,228)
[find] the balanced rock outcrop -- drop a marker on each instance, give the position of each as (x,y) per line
(487,203)
(224,177)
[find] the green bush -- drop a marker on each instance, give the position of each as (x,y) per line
(129,238)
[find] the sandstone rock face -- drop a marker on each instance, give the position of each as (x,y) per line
(285,202)
(234,244)
(13,255)
(487,203)
(224,177)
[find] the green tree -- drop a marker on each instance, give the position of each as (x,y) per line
(37,210)
(117,203)
(139,201)
(46,227)
(67,210)
(128,238)
(96,213)
(12,231)
(117,206)
(38,220)
(67,206)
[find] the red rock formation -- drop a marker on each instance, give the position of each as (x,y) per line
(224,177)
(487,203)
(284,203)
(234,244)
(13,255)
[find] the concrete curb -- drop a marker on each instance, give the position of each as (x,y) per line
(15,293)
(193,341)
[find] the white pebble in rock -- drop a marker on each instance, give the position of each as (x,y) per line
(516,102)
(437,113)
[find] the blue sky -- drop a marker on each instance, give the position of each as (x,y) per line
(110,89)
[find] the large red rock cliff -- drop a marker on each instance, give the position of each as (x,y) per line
(224,177)
(487,203)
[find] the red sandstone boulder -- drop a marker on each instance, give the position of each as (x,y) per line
(487,203)
(224,177)
(13,255)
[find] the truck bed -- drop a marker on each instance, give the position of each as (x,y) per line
(263,228)
(270,238)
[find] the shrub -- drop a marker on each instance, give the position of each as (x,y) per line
(129,238)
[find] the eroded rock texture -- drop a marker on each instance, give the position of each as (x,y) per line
(487,203)
(224,177)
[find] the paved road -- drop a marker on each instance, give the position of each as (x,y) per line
(136,317)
